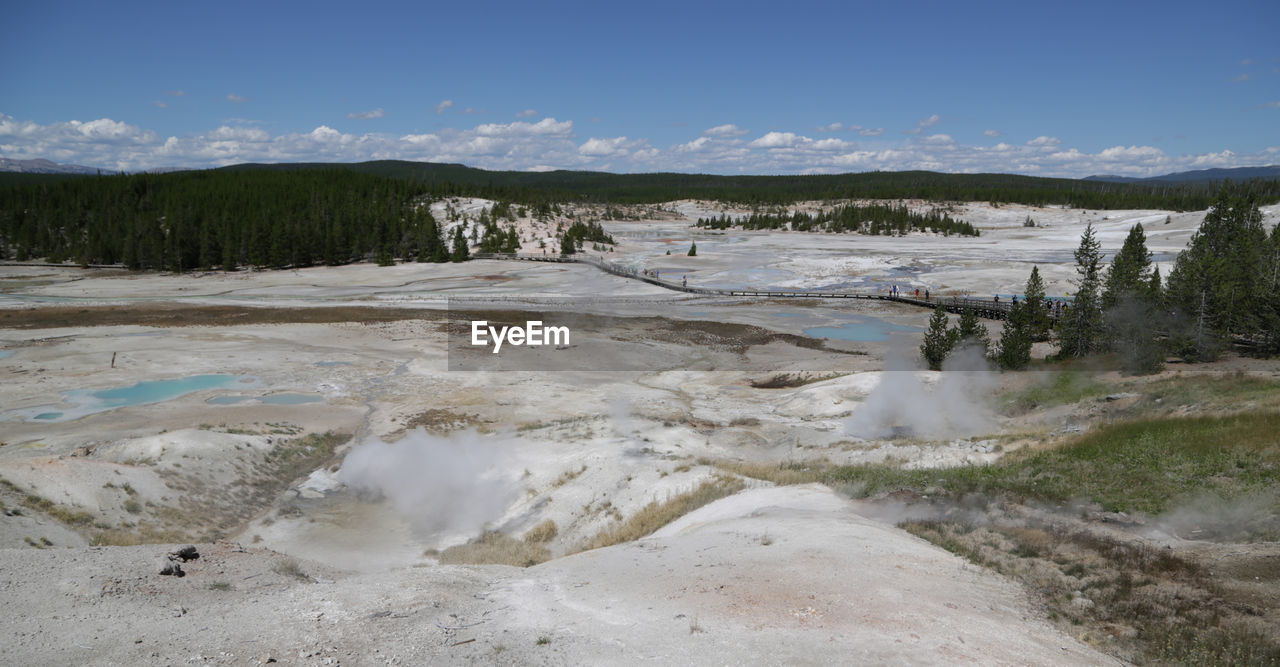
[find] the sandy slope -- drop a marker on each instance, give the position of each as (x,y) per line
(777,575)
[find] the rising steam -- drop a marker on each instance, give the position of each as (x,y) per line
(922,404)
(446,487)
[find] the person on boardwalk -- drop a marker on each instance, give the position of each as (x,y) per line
(926,294)
(684,281)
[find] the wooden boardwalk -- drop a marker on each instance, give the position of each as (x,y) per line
(985,308)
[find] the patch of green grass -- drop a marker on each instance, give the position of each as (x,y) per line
(1061,388)
(1142,466)
(1210,391)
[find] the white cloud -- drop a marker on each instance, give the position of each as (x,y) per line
(604,147)
(1242,77)
(779,140)
(729,130)
(550,143)
(546,126)
(938,140)
(176,93)
(871,131)
(991,133)
(443,106)
(833,127)
(527,113)
(160,104)
(1223,159)
(831,145)
(1121,153)
(367,115)
(226,133)
(472,110)
(232,97)
(699,144)
(1272,105)
(925,124)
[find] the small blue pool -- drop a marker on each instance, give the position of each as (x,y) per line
(81,402)
(863,330)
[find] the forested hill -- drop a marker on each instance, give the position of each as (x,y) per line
(659,187)
(298,215)
(205,219)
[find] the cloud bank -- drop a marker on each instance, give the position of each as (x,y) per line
(552,143)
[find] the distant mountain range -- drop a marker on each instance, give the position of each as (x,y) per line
(461,173)
(39,166)
(1198,176)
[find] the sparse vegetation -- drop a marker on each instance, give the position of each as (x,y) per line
(1139,466)
(1146,602)
(494,548)
(1063,387)
(541,533)
(290,567)
(788,380)
(64,514)
(656,515)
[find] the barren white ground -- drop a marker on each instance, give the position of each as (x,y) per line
(773,575)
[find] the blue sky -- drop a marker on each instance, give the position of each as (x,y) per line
(1067,89)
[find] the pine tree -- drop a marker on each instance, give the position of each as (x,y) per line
(567,245)
(937,340)
(1217,279)
(1269,305)
(1014,349)
(693,249)
(1081,330)
(969,332)
(461,252)
(1130,270)
(1036,313)
(1131,327)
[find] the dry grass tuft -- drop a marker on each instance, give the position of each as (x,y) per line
(542,533)
(782,474)
(656,515)
(494,548)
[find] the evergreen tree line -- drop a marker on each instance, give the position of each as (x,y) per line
(545,188)
(208,219)
(872,219)
(600,187)
(1224,288)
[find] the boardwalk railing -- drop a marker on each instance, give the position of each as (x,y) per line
(989,309)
